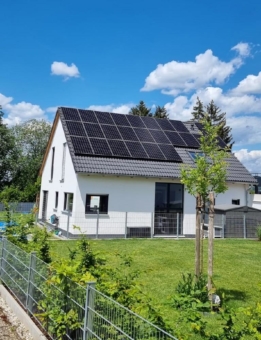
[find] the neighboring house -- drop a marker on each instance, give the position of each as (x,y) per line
(119,175)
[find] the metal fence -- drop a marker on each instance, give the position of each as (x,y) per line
(116,224)
(19,207)
(99,317)
(235,224)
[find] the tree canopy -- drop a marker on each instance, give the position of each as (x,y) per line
(142,110)
(214,116)
(21,153)
(7,152)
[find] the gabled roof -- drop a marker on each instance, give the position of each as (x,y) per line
(111,144)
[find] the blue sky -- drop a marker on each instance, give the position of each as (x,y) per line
(109,55)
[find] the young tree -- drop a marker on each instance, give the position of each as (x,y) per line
(214,115)
(160,112)
(140,110)
(207,177)
(6,152)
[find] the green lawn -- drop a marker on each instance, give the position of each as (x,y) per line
(237,265)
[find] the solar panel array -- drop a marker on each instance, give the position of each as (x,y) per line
(126,136)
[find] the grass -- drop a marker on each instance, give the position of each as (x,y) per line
(162,261)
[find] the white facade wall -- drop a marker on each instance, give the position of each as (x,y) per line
(235,191)
(69,184)
(255,201)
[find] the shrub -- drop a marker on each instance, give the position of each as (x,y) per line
(258,232)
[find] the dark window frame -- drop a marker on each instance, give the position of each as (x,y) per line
(52,165)
(236,201)
(56,202)
(103,206)
(168,204)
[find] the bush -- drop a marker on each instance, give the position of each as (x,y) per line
(258,232)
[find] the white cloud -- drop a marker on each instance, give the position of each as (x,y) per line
(233,105)
(251,84)
(243,49)
(250,159)
(124,109)
(59,68)
(176,77)
(17,113)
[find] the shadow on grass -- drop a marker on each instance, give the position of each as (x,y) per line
(232,294)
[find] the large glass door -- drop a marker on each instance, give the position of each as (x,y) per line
(168,209)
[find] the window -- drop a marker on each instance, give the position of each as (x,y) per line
(52,165)
(169,197)
(56,199)
(195,154)
(68,201)
(236,202)
(63,161)
(95,202)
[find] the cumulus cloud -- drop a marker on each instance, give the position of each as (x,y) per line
(60,68)
(233,105)
(51,109)
(124,109)
(243,49)
(250,159)
(177,77)
(17,113)
(251,84)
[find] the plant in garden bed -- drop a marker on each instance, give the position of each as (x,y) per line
(258,232)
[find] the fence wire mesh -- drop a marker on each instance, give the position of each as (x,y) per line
(116,224)
(98,316)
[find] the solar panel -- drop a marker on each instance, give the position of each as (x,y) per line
(165,124)
(199,126)
(179,126)
(75,128)
(189,140)
(110,131)
(118,148)
(221,143)
(88,116)
(135,121)
(144,135)
(71,114)
(159,136)
(104,117)
(120,120)
(170,153)
(100,147)
(136,150)
(151,123)
(81,146)
(127,133)
(93,130)
(153,151)
(175,139)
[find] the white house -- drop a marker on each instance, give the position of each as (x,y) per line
(117,175)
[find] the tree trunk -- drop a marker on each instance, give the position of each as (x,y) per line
(202,235)
(210,242)
(197,236)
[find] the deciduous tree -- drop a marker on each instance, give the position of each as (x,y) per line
(7,145)
(207,177)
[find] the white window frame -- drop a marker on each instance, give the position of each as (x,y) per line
(68,206)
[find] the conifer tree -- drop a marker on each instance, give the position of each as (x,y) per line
(160,112)
(214,116)
(140,110)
